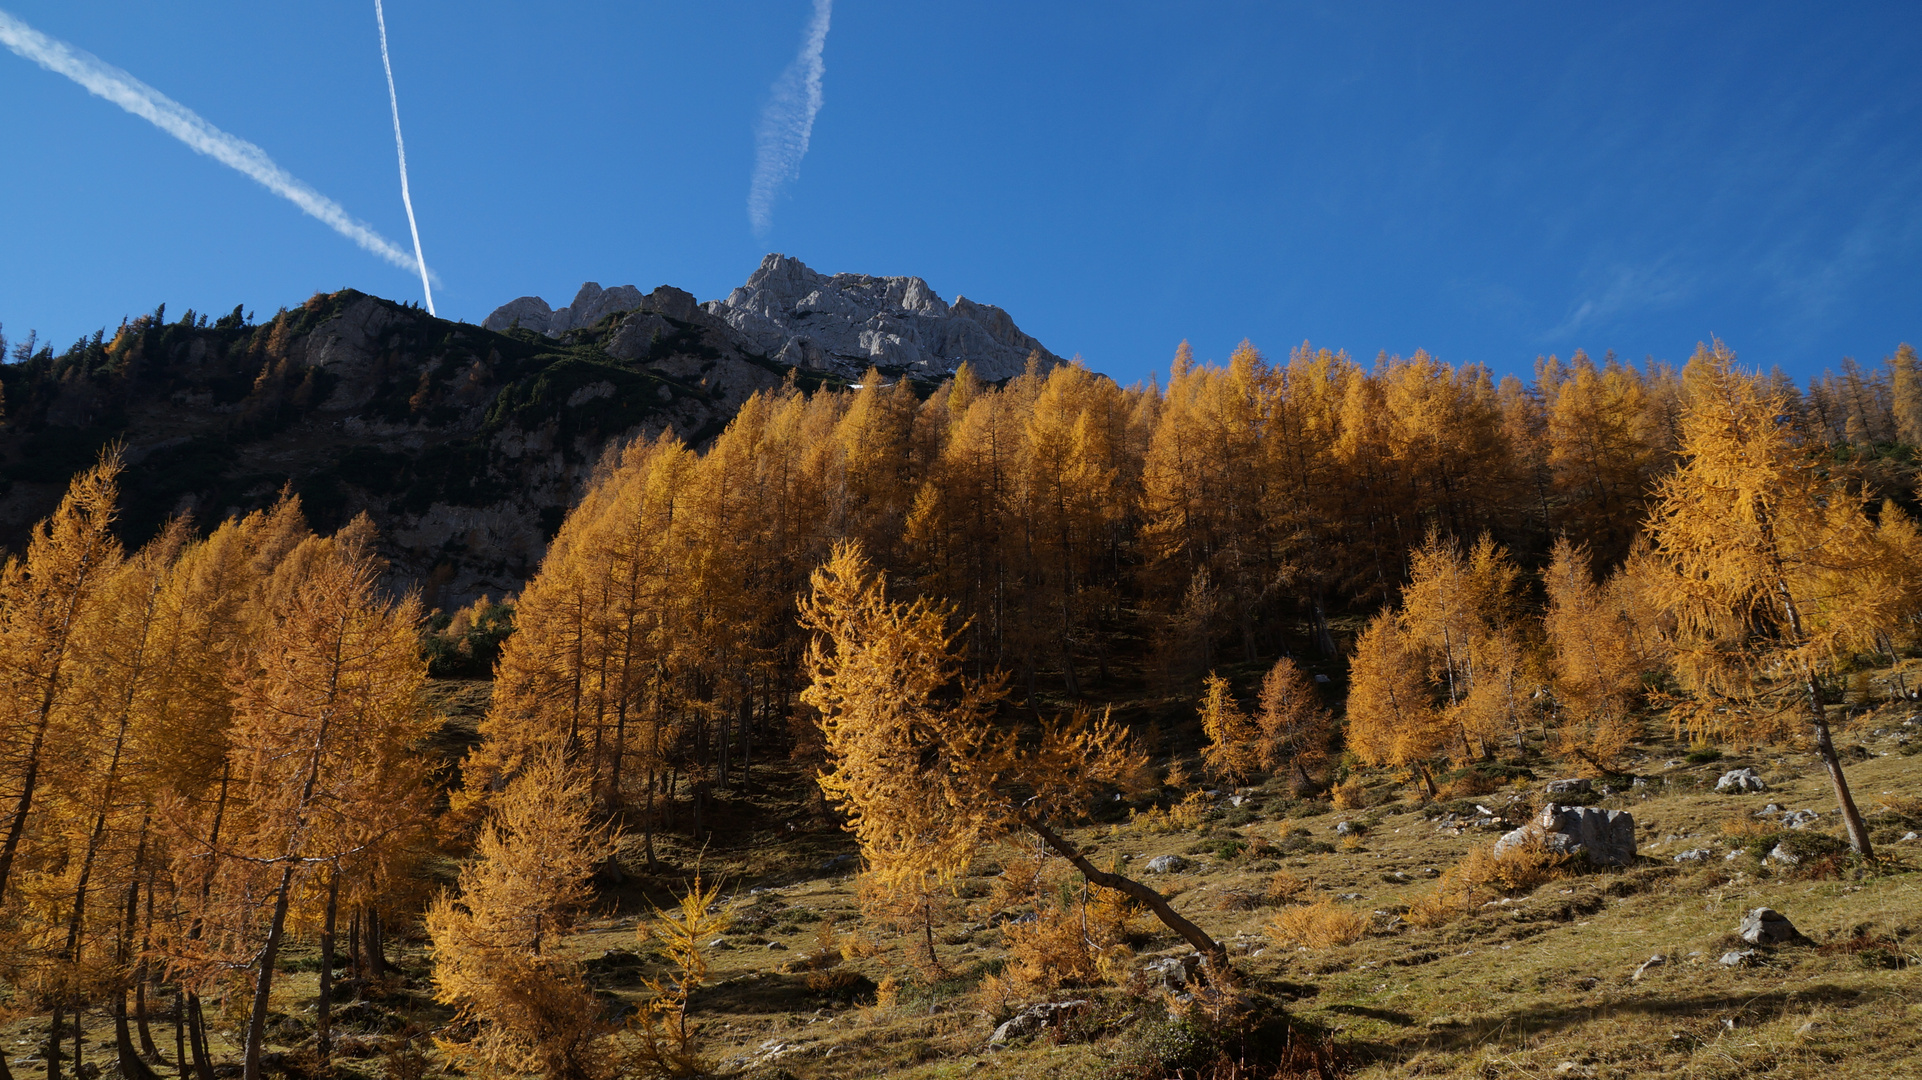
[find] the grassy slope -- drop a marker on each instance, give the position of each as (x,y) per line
(1536,986)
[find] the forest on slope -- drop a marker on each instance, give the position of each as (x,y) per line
(215,744)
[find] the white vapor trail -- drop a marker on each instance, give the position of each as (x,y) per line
(400,148)
(106,81)
(781,141)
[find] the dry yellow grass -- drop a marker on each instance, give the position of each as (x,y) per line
(1320,925)
(1284,888)
(1743,826)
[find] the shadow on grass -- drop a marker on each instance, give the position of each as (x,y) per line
(1538,1021)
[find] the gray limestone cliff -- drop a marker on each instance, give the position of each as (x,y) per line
(840,323)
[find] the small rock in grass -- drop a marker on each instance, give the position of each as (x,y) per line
(1739,781)
(1694,855)
(1766,926)
(1033,1018)
(1744,958)
(1167,864)
(1652,962)
(1796,819)
(1908,836)
(1569,787)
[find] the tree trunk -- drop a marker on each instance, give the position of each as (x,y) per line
(1824,746)
(323,1002)
(142,978)
(1208,947)
(131,1067)
(53,1042)
(376,944)
(264,980)
(197,1039)
(180,1033)
(25,803)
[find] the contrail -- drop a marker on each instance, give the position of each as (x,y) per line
(106,81)
(400,148)
(781,141)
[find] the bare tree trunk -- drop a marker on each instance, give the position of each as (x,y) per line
(180,1033)
(53,1042)
(264,978)
(323,1003)
(1825,747)
(1157,903)
(197,1039)
(141,980)
(376,944)
(131,1065)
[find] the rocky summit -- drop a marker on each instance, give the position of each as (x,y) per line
(798,317)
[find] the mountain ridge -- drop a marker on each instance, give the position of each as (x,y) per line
(841,323)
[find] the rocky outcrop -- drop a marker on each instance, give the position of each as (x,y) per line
(847,322)
(466,446)
(1604,837)
(840,323)
(591,305)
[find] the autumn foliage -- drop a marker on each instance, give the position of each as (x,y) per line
(213,742)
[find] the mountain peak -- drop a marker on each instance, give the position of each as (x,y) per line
(843,323)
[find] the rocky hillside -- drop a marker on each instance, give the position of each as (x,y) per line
(466,444)
(841,324)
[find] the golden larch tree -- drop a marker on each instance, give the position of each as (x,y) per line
(1391,715)
(1771,569)
(1233,752)
(923,777)
(493,938)
(1295,728)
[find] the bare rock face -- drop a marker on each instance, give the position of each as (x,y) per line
(591,305)
(850,321)
(1604,837)
(788,313)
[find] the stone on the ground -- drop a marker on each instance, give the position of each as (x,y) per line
(1782,855)
(1652,962)
(1770,810)
(1744,958)
(1033,1018)
(1766,926)
(1694,855)
(1738,781)
(1908,836)
(1571,786)
(1348,828)
(1172,973)
(1797,819)
(1604,837)
(1167,864)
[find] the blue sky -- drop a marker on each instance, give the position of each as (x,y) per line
(1490,182)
